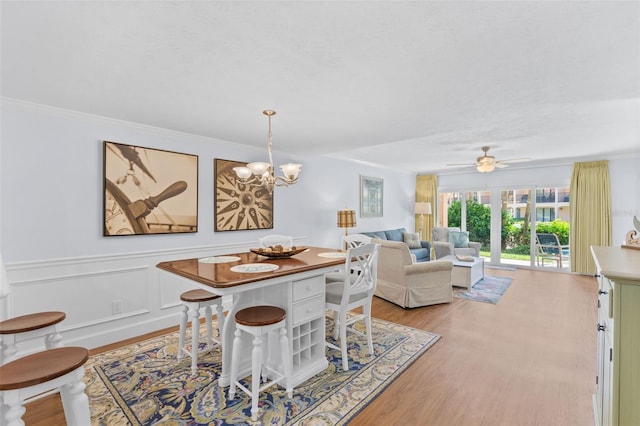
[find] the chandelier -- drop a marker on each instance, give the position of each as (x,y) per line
(261,174)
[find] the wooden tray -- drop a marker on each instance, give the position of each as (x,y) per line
(278,254)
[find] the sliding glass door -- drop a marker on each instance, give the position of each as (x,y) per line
(469,211)
(552,207)
(516,224)
(505,221)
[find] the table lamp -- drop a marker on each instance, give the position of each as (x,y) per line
(346,219)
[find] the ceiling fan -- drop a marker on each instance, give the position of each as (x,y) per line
(487,163)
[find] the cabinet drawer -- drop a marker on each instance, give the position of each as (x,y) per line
(308,287)
(308,309)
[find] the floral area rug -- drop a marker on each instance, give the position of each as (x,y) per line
(144,384)
(488,290)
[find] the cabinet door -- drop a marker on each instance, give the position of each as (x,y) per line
(599,373)
(607,381)
(627,323)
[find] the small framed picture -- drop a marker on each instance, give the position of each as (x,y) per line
(371,196)
(149,191)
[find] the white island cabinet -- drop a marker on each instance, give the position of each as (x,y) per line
(617,398)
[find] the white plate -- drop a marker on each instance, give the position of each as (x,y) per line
(333,255)
(254,268)
(219,259)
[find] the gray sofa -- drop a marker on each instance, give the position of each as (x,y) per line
(422,254)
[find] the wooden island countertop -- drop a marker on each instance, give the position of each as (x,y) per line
(220,275)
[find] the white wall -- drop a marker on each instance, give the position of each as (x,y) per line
(625,195)
(51,225)
(52,188)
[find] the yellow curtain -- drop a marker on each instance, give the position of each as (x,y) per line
(427,190)
(590,213)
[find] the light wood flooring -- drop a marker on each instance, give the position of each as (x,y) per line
(529,360)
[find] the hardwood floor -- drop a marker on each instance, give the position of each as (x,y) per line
(529,360)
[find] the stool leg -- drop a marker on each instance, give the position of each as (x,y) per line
(13,409)
(256,361)
(237,341)
(286,360)
(54,339)
(265,350)
(220,320)
(207,319)
(8,349)
(183,328)
(195,335)
(75,401)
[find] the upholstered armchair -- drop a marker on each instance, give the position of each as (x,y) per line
(409,284)
(452,241)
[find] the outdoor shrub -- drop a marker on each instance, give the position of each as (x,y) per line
(558,227)
(515,234)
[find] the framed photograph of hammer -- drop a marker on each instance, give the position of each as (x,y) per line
(149,191)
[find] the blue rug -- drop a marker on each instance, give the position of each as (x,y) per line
(488,290)
(144,384)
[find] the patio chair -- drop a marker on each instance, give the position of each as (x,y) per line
(548,247)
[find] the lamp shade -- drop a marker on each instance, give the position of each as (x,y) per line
(259,168)
(291,170)
(422,207)
(346,218)
(242,172)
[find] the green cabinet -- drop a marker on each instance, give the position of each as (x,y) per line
(617,397)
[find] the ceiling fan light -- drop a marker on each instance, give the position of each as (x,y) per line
(485,167)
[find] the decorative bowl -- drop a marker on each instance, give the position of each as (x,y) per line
(278,252)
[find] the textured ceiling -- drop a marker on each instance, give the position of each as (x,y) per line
(407,85)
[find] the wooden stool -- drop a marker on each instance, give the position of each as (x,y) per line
(192,302)
(259,321)
(60,369)
(28,327)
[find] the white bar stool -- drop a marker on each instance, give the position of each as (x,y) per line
(59,369)
(26,327)
(192,302)
(259,321)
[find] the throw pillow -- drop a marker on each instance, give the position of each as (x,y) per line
(440,234)
(411,239)
(460,239)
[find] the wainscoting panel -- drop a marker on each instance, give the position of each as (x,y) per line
(170,289)
(106,298)
(87,299)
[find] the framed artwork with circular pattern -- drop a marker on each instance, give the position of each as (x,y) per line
(239,206)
